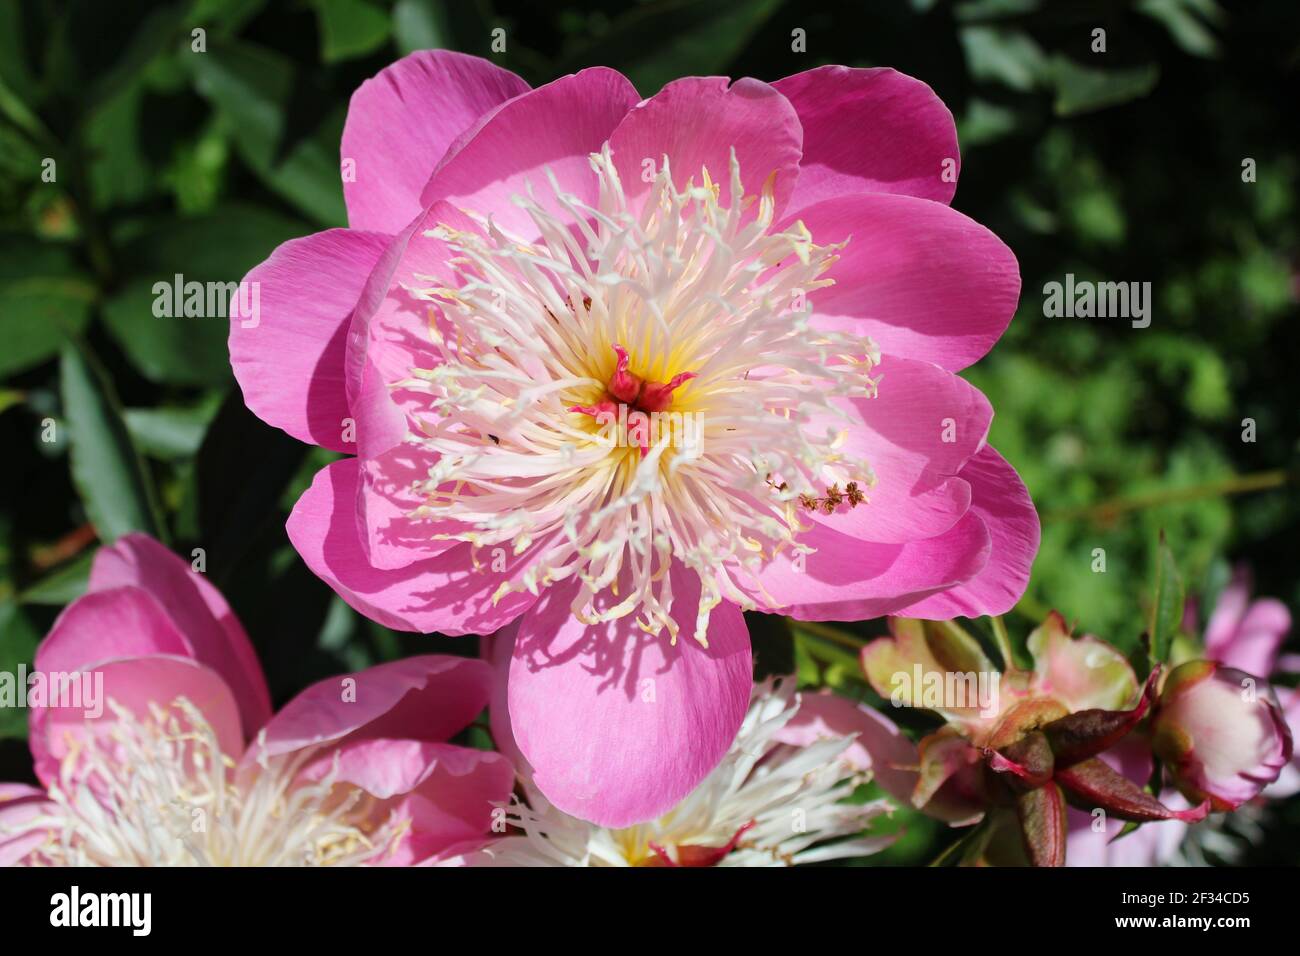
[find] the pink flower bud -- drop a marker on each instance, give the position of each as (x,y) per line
(1221,733)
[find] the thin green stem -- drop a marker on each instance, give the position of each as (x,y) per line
(1003,640)
(1108,511)
(830,633)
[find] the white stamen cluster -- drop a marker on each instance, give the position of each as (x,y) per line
(684,284)
(784,803)
(159,792)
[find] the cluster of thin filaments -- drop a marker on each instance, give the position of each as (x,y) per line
(705,299)
(160,792)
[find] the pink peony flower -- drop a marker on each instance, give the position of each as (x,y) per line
(1242,634)
(611,369)
(1246,634)
(181,762)
(776,799)
(1221,733)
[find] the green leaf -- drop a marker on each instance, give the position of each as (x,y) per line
(236,500)
(172,351)
(20,161)
(226,16)
(222,245)
(1179,18)
(825,651)
(349,28)
(43,300)
(983,10)
(1082,89)
(169,433)
(18,639)
(17,80)
(62,586)
(985,122)
(700,38)
(419,25)
(18,113)
(1166,603)
(151,36)
(1003,56)
(107,470)
(219,248)
(254,88)
(119,173)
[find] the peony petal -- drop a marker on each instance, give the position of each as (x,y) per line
(696,122)
(919,431)
(920,279)
(950,785)
(1000,501)
(879,746)
(1288,781)
(445,793)
(498,650)
(393,535)
(871,130)
(451,593)
(453,811)
(390,335)
(916,649)
(1082,672)
(619,725)
(1245,634)
(135,684)
(390,327)
(289,357)
(849,579)
(19,805)
(213,633)
(1255,644)
(110,623)
(554,127)
(1228,611)
(400,123)
(430,698)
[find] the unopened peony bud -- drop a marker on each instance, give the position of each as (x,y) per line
(1221,733)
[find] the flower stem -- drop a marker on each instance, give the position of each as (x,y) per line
(1107,511)
(829,633)
(1003,640)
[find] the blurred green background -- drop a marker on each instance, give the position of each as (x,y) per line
(1125,165)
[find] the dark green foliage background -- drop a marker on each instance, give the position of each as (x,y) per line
(1122,166)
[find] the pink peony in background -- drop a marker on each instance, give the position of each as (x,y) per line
(779,797)
(1242,633)
(186,764)
(776,263)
